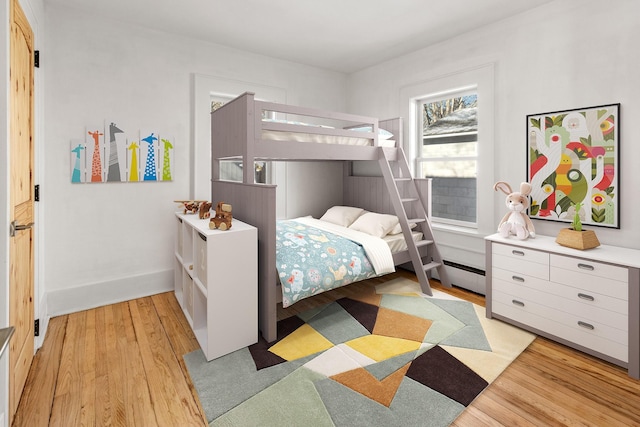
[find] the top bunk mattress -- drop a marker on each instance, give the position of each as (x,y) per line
(316,138)
(321,134)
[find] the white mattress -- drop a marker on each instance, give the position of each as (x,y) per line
(323,139)
(397,243)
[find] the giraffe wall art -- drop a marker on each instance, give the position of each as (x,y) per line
(107,153)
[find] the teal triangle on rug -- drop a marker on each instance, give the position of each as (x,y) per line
(388,357)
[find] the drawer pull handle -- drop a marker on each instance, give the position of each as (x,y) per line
(586,267)
(586,297)
(519,253)
(202,236)
(586,325)
(518,303)
(518,279)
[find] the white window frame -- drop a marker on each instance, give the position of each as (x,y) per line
(482,78)
(429,98)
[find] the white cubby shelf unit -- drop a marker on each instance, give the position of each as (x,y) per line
(216,283)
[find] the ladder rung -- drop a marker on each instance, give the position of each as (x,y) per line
(431,266)
(412,199)
(402,179)
(421,243)
(416,220)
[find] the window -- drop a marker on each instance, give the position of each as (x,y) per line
(468,152)
(447,152)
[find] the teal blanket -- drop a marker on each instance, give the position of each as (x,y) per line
(311,261)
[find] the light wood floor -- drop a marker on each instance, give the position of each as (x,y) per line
(122,365)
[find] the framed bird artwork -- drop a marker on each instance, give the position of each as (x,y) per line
(573,163)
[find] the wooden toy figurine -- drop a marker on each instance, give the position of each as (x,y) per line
(223,217)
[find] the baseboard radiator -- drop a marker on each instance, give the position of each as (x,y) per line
(467,277)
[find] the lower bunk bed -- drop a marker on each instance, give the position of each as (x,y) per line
(346,245)
(255,204)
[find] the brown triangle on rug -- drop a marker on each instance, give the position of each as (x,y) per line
(364,312)
(442,372)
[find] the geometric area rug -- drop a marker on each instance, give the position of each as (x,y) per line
(389,356)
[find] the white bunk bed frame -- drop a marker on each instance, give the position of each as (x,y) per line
(237,134)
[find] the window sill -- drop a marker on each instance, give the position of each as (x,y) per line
(457,229)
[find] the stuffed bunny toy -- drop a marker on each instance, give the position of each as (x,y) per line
(516,221)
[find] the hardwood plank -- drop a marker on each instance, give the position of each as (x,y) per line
(155,375)
(88,387)
(178,331)
(556,404)
(167,384)
(67,398)
(180,335)
(43,375)
(103,399)
(113,360)
(139,410)
(472,416)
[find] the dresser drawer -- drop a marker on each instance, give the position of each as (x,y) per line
(592,268)
(521,261)
(517,278)
(518,253)
(575,310)
(585,281)
(588,297)
(544,319)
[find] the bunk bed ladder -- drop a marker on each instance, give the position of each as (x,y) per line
(404,193)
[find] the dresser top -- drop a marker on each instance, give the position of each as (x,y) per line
(604,253)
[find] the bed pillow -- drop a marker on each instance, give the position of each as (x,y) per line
(375,224)
(398,228)
(342,215)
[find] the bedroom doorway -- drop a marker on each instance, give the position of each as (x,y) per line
(21,203)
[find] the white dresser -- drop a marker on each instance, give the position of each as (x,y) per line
(216,283)
(588,300)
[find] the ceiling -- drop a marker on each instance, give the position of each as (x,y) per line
(339,35)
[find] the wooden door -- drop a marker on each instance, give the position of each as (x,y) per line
(21,147)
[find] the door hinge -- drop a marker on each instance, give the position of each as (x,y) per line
(36,327)
(36,193)
(36,58)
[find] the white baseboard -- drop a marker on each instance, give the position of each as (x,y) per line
(94,295)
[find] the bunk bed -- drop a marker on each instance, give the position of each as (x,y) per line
(249,130)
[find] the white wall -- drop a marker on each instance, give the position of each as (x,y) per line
(114,241)
(563,55)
